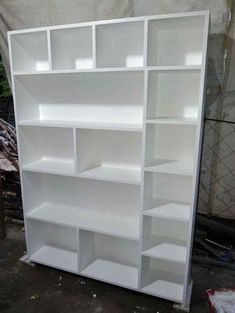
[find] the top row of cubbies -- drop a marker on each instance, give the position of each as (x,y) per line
(174,41)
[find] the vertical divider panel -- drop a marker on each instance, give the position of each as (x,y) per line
(18,141)
(49,49)
(197,159)
(143,148)
(85,249)
(145,42)
(94,45)
(78,249)
(75,150)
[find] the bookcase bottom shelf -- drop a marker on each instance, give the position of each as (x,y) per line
(122,226)
(112,272)
(55,257)
(165,289)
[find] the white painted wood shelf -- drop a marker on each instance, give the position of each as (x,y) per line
(100,221)
(55,257)
(112,272)
(172,211)
(109,123)
(170,252)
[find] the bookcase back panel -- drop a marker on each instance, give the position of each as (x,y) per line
(71,48)
(120,45)
(176,41)
(173,93)
(30,52)
(93,195)
(108,148)
(87,97)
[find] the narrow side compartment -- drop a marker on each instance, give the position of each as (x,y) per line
(162,279)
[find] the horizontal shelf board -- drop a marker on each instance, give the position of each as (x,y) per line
(173,67)
(107,223)
(104,173)
(168,252)
(172,120)
(114,174)
(172,167)
(171,211)
(165,289)
(51,166)
(110,69)
(85,70)
(85,125)
(59,258)
(112,272)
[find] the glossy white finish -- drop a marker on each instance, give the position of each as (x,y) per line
(161,288)
(113,273)
(172,211)
(109,155)
(109,119)
(56,257)
(71,48)
(175,92)
(166,251)
(120,45)
(107,97)
(176,41)
(162,278)
(108,258)
(108,223)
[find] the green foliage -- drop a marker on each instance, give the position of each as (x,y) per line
(5,91)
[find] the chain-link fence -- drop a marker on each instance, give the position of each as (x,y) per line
(217,183)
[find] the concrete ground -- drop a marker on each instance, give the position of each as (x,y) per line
(40,289)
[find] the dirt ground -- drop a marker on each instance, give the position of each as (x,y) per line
(40,289)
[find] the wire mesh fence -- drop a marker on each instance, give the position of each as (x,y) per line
(217,182)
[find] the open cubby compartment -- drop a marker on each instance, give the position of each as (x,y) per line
(173,95)
(107,207)
(164,239)
(53,245)
(109,155)
(108,258)
(111,98)
(167,196)
(176,41)
(162,278)
(47,149)
(120,44)
(30,52)
(170,148)
(71,48)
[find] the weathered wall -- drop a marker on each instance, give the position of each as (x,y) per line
(218,162)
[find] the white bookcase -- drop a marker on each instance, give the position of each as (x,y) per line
(109,124)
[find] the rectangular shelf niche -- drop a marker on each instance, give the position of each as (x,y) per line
(109,119)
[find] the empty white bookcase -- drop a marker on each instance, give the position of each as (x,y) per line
(109,123)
